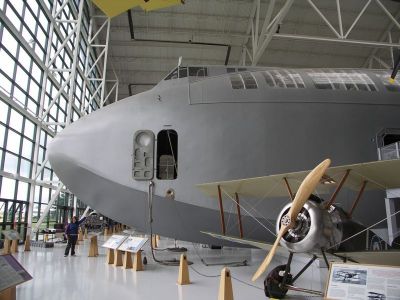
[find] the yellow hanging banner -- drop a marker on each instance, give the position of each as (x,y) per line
(113,8)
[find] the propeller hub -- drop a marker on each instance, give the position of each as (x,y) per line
(286,220)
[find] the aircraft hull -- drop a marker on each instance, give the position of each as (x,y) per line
(216,141)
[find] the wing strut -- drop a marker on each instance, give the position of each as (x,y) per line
(288,188)
(339,187)
(221,210)
(350,213)
(239,215)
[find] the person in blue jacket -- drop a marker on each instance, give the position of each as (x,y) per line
(72,234)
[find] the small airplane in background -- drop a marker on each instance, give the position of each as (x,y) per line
(138,161)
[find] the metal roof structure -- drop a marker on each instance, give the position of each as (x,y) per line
(283,33)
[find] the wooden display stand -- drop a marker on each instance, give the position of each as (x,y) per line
(9,294)
(110,256)
(137,261)
(27,245)
(7,246)
(183,277)
(85,235)
(80,235)
(14,246)
(118,258)
(225,285)
(128,260)
(93,248)
(105,231)
(154,241)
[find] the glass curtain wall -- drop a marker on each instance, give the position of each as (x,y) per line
(24,36)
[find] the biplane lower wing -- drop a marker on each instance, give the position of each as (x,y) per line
(256,244)
(387,258)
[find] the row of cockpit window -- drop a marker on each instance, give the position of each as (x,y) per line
(242,78)
(321,80)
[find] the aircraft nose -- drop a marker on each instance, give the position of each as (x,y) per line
(99,143)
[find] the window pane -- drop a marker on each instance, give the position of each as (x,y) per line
(249,81)
(45,195)
(10,163)
(21,79)
(9,41)
(16,120)
(3,112)
(22,191)
(7,188)
(13,141)
(25,168)
(7,63)
(27,147)
(237,82)
(29,129)
(24,59)
(2,134)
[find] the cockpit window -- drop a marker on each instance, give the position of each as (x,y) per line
(283,79)
(346,80)
(172,75)
(242,81)
(182,72)
(198,72)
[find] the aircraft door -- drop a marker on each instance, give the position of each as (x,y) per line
(143,155)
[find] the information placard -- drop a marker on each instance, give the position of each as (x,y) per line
(356,281)
(114,241)
(11,234)
(12,273)
(133,244)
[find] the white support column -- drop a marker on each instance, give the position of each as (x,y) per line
(100,94)
(339,18)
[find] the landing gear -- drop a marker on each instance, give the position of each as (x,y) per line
(275,282)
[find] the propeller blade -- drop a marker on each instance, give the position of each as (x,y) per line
(261,269)
(303,193)
(307,187)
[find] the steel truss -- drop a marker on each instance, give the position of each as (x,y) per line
(257,40)
(96,87)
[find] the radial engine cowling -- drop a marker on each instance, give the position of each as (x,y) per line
(315,228)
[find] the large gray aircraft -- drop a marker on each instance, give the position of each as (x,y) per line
(139,160)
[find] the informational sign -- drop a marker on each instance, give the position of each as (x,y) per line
(114,241)
(12,273)
(11,234)
(356,281)
(133,244)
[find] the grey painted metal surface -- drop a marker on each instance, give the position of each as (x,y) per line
(223,134)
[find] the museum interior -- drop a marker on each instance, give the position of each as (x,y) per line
(195,149)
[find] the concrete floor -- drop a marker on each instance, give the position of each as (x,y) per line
(65,278)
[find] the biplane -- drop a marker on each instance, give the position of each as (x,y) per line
(311,225)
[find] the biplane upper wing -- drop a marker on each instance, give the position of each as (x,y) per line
(380,175)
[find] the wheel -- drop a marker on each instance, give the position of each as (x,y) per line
(273,282)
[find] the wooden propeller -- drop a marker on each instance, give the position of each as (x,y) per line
(306,188)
